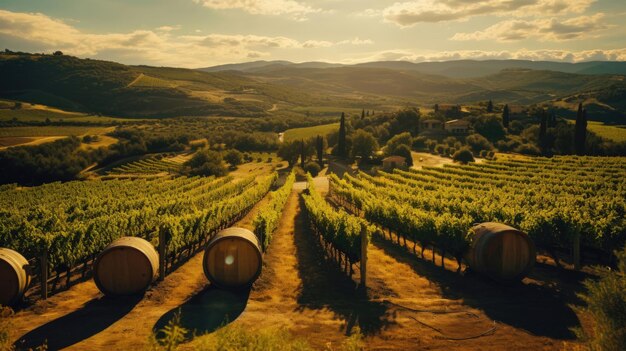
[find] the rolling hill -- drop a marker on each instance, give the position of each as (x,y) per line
(450,69)
(262,88)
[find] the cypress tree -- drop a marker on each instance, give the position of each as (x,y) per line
(580,131)
(302,154)
(367,113)
(490,106)
(320,150)
(363,114)
(341,141)
(436,108)
(543,129)
(552,120)
(505,116)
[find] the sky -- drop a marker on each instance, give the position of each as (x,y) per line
(202,33)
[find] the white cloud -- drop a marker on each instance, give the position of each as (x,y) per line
(169,28)
(522,54)
(151,47)
(293,9)
(543,29)
(368,13)
(356,41)
(406,14)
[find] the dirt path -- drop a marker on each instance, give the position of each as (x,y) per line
(312,299)
(82,319)
(527,316)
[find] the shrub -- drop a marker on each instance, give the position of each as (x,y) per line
(516,127)
(313,168)
(247,157)
(450,141)
(463,156)
(431,144)
(528,149)
(483,153)
(206,163)
(440,149)
(397,141)
(419,142)
(234,157)
(490,127)
(606,301)
(478,142)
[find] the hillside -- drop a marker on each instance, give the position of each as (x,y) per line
(451,69)
(279,87)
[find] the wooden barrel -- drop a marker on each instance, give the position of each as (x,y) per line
(14,277)
(501,252)
(233,259)
(126,267)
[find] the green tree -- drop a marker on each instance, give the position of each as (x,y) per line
(478,142)
(543,132)
(490,127)
(363,144)
(313,168)
(505,117)
(407,120)
(463,156)
(580,135)
(363,114)
(490,106)
(289,151)
(404,151)
(302,153)
(206,163)
(319,147)
(341,141)
(397,140)
(234,157)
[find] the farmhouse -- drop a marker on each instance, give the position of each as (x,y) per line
(431,124)
(392,162)
(457,126)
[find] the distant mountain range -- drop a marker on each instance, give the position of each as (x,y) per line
(451,69)
(264,88)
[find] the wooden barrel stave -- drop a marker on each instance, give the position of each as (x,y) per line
(233,258)
(501,252)
(126,267)
(14,277)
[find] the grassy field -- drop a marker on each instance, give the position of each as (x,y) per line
(310,132)
(39,113)
(151,82)
(612,132)
(615,133)
(52,131)
(326,110)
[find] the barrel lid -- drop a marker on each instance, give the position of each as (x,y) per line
(493,227)
(239,232)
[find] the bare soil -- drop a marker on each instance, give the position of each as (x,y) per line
(411,303)
(81,318)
